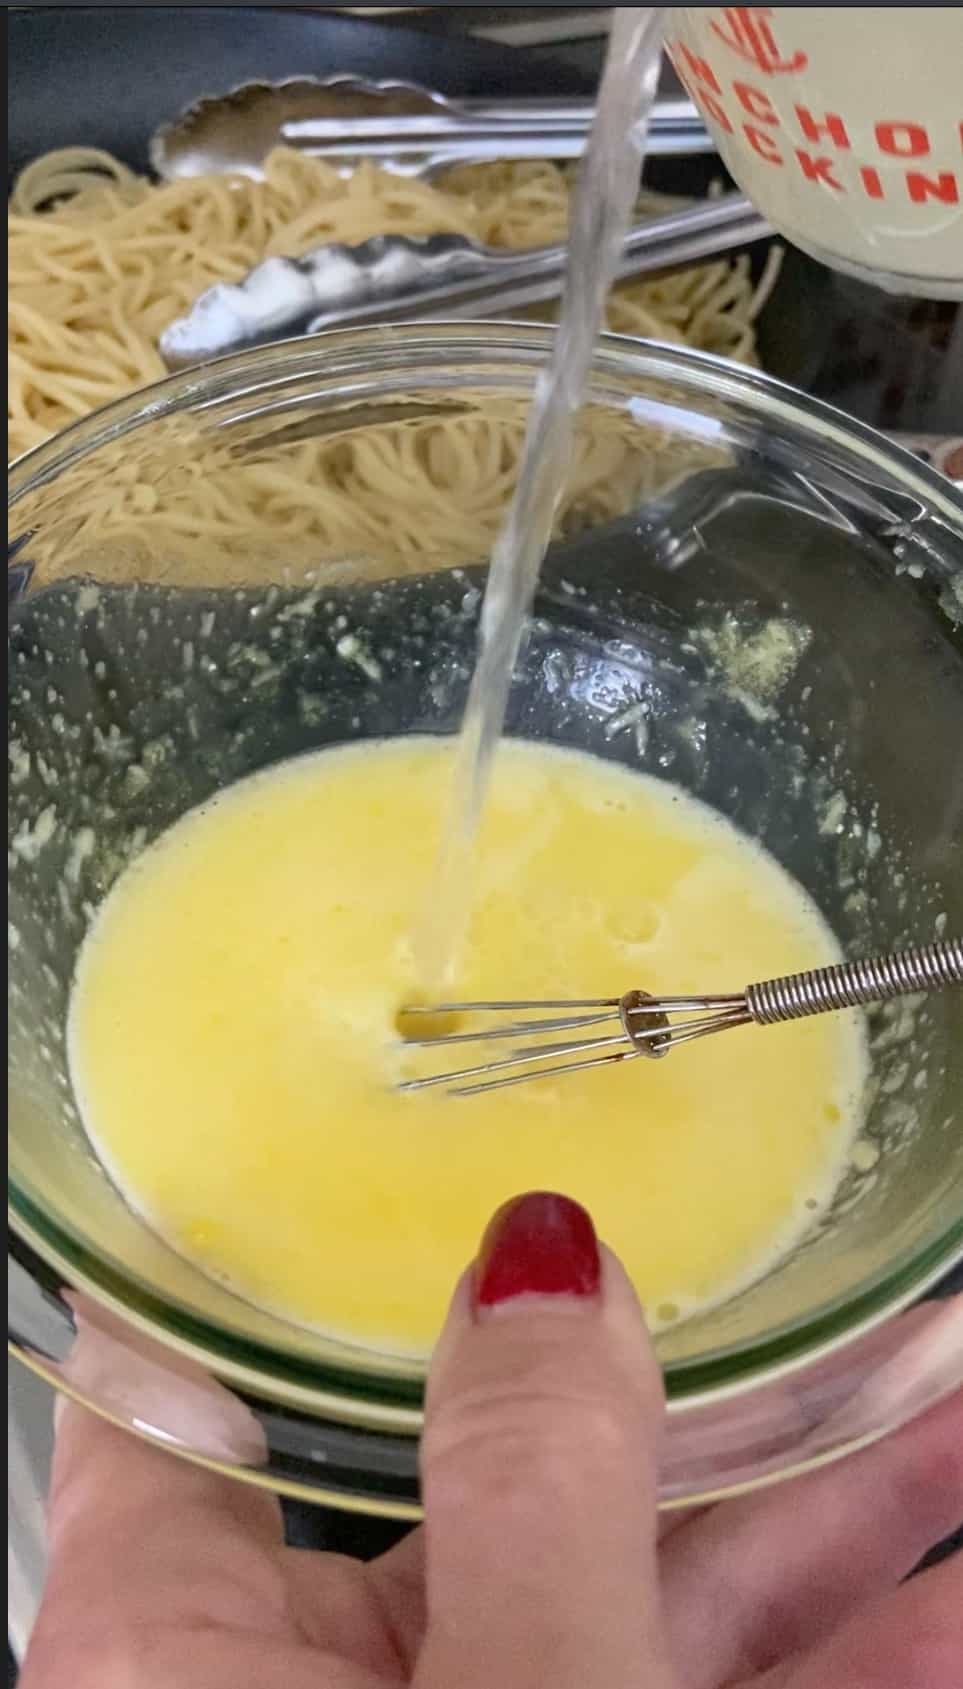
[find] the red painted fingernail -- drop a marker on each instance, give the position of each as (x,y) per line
(537,1245)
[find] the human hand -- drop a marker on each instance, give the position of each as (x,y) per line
(542,1561)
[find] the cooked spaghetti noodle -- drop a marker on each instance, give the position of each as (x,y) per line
(101,260)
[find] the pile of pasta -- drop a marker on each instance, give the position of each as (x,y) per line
(101,260)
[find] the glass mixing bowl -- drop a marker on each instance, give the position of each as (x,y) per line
(747,593)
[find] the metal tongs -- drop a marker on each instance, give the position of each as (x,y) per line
(398,277)
(410,130)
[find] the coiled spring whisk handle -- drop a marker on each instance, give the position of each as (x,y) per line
(850,984)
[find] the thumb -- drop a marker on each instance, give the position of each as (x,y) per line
(542,1428)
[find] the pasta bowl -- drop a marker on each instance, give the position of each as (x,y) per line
(285,550)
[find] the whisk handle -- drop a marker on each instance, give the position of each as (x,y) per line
(850,984)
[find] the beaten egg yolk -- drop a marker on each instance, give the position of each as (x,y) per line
(235,1051)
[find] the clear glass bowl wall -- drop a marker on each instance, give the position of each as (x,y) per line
(161,549)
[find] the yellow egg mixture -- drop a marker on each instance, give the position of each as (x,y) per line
(234,1045)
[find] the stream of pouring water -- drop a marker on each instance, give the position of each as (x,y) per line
(605,195)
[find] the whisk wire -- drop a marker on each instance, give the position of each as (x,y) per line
(649,1029)
(508,1005)
(542,1052)
(515,1030)
(544,1073)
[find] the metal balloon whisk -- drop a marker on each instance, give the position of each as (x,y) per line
(652,1026)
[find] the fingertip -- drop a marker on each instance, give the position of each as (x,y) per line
(541,1244)
(591,1309)
(613,1296)
(543,1421)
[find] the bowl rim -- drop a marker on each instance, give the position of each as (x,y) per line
(335,353)
(206,383)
